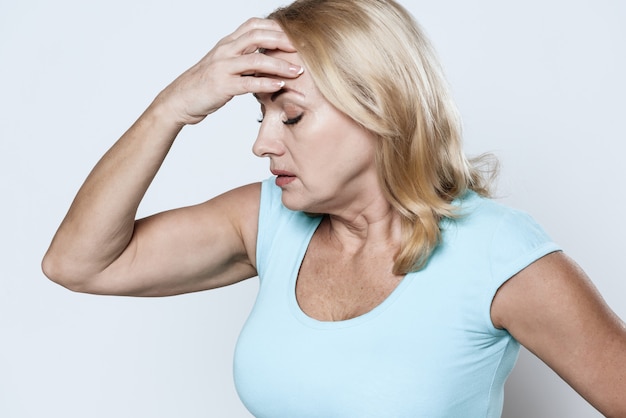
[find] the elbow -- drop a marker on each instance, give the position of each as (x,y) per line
(61,272)
(77,276)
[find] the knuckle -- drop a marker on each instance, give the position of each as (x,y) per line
(257,61)
(250,83)
(254,21)
(251,35)
(220,51)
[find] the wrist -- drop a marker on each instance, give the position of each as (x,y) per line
(161,114)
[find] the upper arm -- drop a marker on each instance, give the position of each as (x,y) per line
(553,309)
(188,249)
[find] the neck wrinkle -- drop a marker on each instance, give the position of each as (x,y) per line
(363,232)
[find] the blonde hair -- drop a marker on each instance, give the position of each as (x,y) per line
(371,60)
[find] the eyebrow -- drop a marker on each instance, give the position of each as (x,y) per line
(275,95)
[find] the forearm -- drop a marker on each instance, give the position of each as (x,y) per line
(100,221)
(99,248)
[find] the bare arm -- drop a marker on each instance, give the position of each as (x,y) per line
(101,248)
(553,309)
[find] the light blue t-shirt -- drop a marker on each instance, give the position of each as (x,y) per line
(429,350)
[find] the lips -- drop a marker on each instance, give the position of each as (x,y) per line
(282,173)
(283,177)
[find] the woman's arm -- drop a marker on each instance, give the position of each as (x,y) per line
(100,248)
(553,309)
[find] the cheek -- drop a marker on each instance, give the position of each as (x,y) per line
(334,144)
(352,145)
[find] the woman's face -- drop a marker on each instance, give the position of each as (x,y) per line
(323,160)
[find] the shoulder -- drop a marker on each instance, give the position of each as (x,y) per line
(271,204)
(503,239)
(279,229)
(272,211)
(474,209)
(481,218)
(238,204)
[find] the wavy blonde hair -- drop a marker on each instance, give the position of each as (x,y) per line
(371,60)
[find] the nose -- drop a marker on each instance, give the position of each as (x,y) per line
(268,142)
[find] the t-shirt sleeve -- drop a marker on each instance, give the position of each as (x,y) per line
(269,209)
(279,226)
(518,241)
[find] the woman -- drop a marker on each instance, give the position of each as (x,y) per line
(390,285)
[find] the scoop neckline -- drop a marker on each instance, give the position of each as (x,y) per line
(311,322)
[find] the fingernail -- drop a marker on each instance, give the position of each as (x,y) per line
(279,83)
(296,69)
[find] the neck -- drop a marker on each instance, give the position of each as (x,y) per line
(375,224)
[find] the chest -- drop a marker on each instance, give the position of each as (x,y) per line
(411,356)
(333,285)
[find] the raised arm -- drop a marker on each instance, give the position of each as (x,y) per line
(553,309)
(101,248)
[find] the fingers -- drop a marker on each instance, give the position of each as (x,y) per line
(260,85)
(262,64)
(239,55)
(257,33)
(233,67)
(241,48)
(256,39)
(260,73)
(256,25)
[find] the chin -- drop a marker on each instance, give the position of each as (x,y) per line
(310,203)
(293,204)
(298,203)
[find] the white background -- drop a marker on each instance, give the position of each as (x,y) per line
(539,83)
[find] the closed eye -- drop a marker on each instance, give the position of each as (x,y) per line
(293,121)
